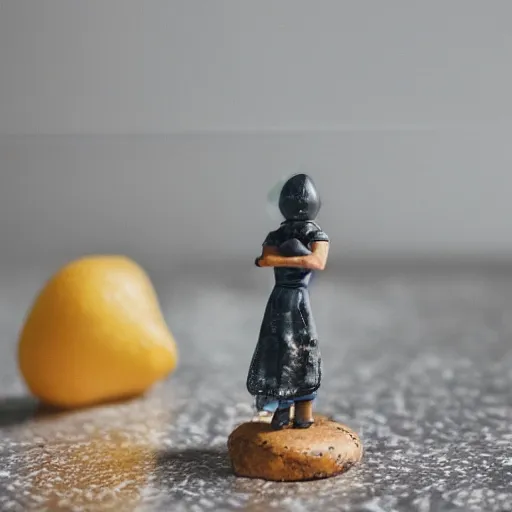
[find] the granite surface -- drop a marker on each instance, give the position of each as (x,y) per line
(418,362)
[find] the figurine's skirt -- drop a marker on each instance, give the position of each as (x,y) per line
(286,362)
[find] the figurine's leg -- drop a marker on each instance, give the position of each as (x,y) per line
(304,411)
(303,414)
(281,417)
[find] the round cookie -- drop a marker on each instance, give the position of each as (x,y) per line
(325,449)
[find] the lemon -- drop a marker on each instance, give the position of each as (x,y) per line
(95,333)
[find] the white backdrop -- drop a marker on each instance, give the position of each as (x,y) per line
(158,127)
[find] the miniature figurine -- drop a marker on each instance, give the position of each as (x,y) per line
(286,367)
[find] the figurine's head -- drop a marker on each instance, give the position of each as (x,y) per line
(299,199)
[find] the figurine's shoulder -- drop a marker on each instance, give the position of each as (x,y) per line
(314,232)
(276,237)
(307,232)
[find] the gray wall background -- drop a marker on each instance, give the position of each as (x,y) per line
(157,128)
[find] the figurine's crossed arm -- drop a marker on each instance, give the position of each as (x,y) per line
(314,261)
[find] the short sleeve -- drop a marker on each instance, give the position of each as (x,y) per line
(272,239)
(318,236)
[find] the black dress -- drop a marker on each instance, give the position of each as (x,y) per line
(286,363)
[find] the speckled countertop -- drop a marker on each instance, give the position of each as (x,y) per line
(418,362)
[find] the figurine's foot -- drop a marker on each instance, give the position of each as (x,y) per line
(281,418)
(303,414)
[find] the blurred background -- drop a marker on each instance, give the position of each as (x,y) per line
(157,128)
